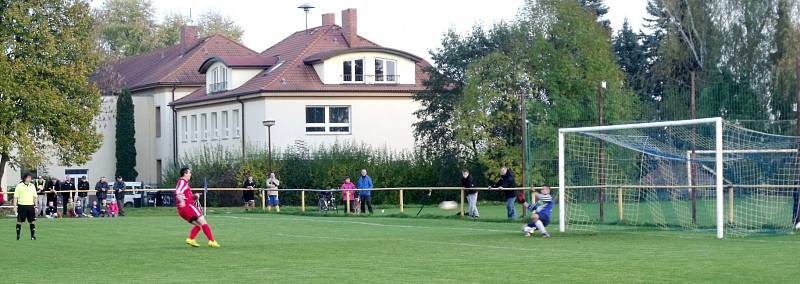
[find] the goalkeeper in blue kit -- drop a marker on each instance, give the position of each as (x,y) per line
(540,213)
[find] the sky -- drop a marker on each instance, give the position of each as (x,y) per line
(414,26)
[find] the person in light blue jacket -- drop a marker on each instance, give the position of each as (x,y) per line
(364,190)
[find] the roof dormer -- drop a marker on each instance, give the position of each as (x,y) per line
(225,73)
(365,65)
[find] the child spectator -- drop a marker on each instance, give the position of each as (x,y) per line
(51,211)
(2,196)
(113,208)
(348,193)
(104,209)
(71,209)
(79,210)
(96,209)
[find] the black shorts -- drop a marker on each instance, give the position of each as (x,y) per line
(26,212)
(248,195)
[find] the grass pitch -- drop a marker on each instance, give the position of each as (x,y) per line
(148,247)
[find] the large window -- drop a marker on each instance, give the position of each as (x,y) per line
(217,79)
(226,130)
(236,124)
(204,126)
(385,70)
(328,119)
(214,126)
(353,70)
(194,127)
(185,128)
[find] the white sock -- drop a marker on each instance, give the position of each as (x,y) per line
(540,226)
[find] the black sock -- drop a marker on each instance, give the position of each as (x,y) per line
(33,230)
(19,228)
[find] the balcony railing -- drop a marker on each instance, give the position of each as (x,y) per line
(217,87)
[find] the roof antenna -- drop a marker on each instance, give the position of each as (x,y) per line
(306,8)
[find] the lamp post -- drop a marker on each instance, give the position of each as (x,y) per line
(269,124)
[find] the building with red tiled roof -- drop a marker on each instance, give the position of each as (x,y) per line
(323,85)
(156,79)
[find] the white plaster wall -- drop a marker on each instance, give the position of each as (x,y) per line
(218,138)
(330,71)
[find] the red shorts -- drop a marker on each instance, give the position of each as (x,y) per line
(190,213)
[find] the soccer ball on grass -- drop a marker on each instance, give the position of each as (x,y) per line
(448,205)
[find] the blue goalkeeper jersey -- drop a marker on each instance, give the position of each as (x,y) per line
(543,205)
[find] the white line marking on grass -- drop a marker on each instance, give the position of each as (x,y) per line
(406,241)
(374,224)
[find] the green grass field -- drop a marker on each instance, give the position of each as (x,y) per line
(147,246)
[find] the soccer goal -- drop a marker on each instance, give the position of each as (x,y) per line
(699,175)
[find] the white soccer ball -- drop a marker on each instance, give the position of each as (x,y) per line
(797,227)
(448,205)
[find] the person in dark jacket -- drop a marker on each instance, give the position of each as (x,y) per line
(51,188)
(119,194)
(83,188)
(101,187)
(472,195)
(507,181)
(66,190)
(249,193)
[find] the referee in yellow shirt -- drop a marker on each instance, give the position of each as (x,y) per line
(24,205)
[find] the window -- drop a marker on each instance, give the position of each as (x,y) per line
(185,128)
(225,129)
(353,70)
(214,126)
(385,70)
(158,122)
(194,127)
(217,79)
(204,126)
(235,123)
(328,119)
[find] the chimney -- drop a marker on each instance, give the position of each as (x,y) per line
(328,19)
(188,35)
(349,26)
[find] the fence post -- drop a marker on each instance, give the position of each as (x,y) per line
(401,201)
(263,200)
(620,204)
(462,203)
(347,205)
(303,200)
(730,205)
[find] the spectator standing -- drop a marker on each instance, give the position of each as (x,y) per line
(472,195)
(101,187)
(507,181)
(248,195)
(348,193)
(83,189)
(2,196)
(41,200)
(67,188)
(52,186)
(365,190)
(272,193)
(25,204)
(119,195)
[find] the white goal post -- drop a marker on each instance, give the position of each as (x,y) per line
(718,152)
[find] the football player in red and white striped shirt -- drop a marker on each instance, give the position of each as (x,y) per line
(184,200)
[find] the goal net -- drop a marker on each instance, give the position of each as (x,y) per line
(699,175)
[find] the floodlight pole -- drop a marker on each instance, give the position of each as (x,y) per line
(306,8)
(269,124)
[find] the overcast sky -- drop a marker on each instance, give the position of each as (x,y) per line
(415,26)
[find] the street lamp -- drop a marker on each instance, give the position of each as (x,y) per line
(269,124)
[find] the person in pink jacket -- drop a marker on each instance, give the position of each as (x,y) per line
(349,193)
(113,209)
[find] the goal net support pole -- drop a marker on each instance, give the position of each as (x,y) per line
(718,158)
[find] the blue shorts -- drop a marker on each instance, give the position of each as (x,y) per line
(545,219)
(273,200)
